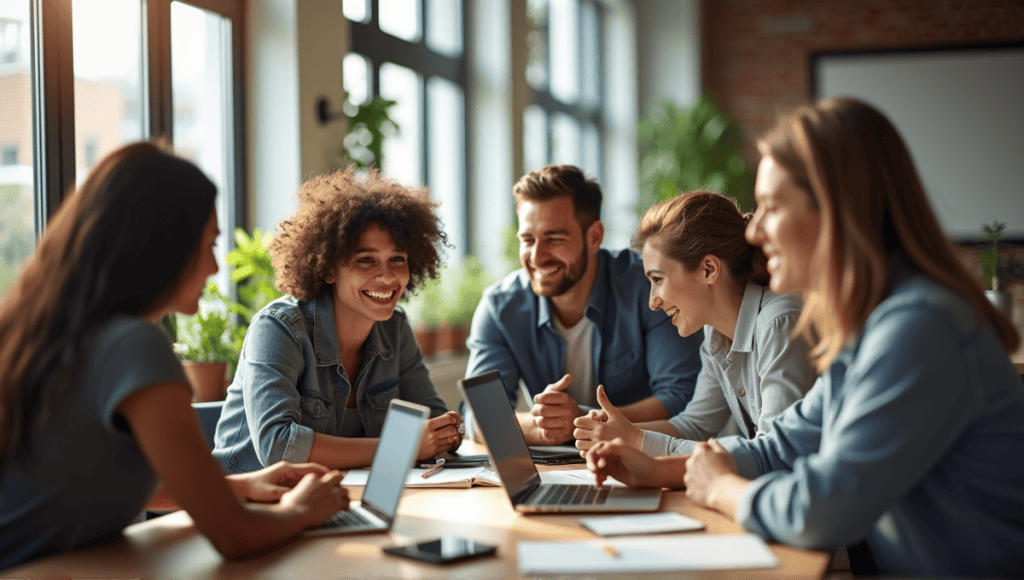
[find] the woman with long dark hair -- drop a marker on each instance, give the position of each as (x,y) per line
(94,407)
(902,449)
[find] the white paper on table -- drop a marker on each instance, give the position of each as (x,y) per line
(576,477)
(663,553)
(632,524)
(454,477)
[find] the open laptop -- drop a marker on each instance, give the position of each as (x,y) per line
(486,396)
(399,440)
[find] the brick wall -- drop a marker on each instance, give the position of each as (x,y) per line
(756,53)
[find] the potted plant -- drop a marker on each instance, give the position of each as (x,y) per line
(209,344)
(253,272)
(992,267)
(442,309)
(684,149)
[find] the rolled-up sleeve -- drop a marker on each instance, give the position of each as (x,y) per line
(673,362)
(903,402)
(272,401)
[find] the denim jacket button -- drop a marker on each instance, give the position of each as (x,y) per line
(742,392)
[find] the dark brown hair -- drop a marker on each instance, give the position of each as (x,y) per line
(562,180)
(857,170)
(333,212)
(692,225)
(120,244)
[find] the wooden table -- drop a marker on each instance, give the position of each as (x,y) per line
(170,546)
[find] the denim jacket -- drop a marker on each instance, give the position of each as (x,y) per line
(290,383)
(911,441)
(637,353)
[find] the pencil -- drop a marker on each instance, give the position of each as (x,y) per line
(434,469)
(610,550)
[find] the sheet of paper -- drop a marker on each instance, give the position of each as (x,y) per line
(662,553)
(457,477)
(575,476)
(657,523)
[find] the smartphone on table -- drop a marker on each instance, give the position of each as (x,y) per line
(443,550)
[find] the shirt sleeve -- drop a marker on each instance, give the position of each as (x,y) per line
(414,378)
(272,367)
(897,409)
(705,416)
(783,367)
(130,355)
(673,362)
(489,350)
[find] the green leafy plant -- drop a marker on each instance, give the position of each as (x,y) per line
(252,270)
(683,149)
(990,259)
(451,299)
(212,334)
(367,126)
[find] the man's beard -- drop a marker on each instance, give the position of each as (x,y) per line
(572,274)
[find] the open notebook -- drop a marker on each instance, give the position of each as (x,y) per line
(453,477)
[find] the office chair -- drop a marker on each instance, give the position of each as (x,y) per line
(208,414)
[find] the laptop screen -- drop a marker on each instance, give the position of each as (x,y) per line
(396,450)
(496,420)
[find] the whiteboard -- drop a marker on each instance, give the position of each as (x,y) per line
(961,113)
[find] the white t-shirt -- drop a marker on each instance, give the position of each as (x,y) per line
(579,361)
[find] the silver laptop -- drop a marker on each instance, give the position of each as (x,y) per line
(396,450)
(486,396)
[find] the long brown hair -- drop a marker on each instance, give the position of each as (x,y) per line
(692,225)
(120,244)
(860,176)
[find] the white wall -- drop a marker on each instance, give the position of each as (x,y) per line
(669,49)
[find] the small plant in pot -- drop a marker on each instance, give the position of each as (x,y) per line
(209,344)
(992,267)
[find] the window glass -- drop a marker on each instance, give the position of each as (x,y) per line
(563,34)
(537,44)
(445,110)
(565,140)
(444,26)
(403,151)
(591,163)
(108,48)
(17,179)
(535,138)
(355,10)
(400,18)
(355,72)
(203,117)
(591,54)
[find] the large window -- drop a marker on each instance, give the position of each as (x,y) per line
(564,122)
(140,69)
(411,51)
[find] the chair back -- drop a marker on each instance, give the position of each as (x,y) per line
(208,414)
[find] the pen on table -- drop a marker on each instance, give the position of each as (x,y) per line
(437,467)
(610,550)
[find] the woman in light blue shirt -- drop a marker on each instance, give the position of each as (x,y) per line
(319,366)
(704,273)
(906,448)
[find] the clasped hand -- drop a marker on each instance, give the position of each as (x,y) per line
(709,462)
(553,412)
(442,433)
(293,484)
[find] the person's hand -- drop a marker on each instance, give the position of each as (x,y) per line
(441,434)
(708,463)
(553,412)
(626,464)
(604,425)
(316,497)
(270,483)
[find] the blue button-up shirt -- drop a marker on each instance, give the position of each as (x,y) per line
(290,384)
(913,441)
(637,353)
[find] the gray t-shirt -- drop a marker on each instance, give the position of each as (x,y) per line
(86,478)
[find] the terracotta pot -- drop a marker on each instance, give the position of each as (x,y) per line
(209,379)
(451,338)
(427,339)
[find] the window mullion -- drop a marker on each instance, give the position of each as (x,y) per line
(53,105)
(157,45)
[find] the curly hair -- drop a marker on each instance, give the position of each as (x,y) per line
(333,212)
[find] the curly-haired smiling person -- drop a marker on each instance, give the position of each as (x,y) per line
(320,365)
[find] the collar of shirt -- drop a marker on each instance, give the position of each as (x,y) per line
(750,307)
(325,335)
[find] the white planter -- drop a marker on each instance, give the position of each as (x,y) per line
(1001,300)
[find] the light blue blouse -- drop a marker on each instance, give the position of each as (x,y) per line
(752,379)
(913,441)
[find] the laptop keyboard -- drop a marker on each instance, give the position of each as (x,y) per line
(570,494)
(347,519)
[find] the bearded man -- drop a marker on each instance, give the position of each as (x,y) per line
(576,316)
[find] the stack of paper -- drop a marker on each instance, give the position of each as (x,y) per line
(662,553)
(454,477)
